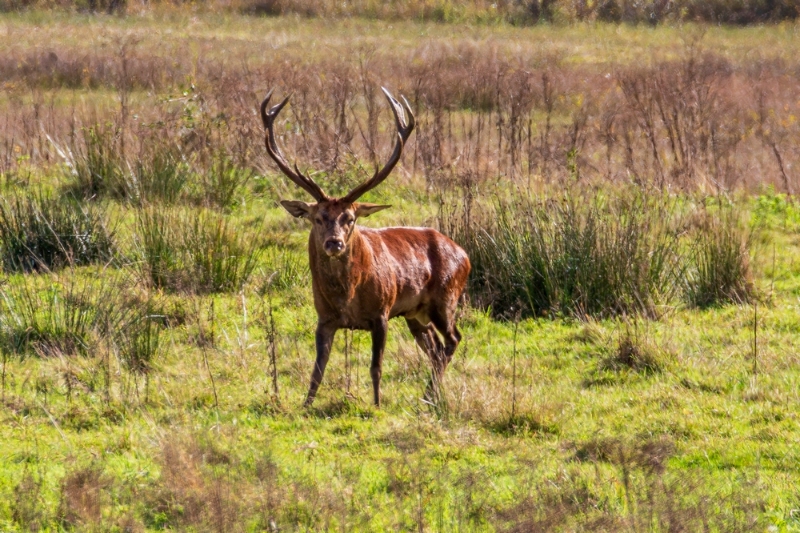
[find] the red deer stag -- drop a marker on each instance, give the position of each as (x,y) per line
(362,277)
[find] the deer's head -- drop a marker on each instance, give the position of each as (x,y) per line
(334,219)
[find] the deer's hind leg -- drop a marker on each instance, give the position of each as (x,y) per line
(429,341)
(444,318)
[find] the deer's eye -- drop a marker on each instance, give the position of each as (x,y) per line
(347,221)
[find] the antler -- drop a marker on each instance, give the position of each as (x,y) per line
(403,132)
(304,182)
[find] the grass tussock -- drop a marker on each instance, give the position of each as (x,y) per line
(224,181)
(572,255)
(637,351)
(590,253)
(55,317)
(50,320)
(525,423)
(286,270)
(193,251)
(161,174)
(96,166)
(155,168)
(721,269)
(39,232)
(138,339)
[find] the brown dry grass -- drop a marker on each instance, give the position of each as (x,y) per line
(692,118)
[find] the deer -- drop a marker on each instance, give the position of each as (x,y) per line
(363,277)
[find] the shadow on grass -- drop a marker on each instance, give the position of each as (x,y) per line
(346,406)
(523,424)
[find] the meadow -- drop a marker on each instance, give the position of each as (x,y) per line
(626,195)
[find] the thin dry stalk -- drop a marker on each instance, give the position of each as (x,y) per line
(755,337)
(269,322)
(205,353)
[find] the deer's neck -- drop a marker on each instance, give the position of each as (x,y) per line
(337,278)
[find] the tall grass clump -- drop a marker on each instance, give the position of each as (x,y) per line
(54,319)
(97,168)
(160,174)
(720,261)
(286,269)
(193,251)
(39,232)
(138,339)
(221,258)
(224,181)
(53,316)
(611,254)
(156,247)
(635,350)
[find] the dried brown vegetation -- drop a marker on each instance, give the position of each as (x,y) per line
(655,501)
(697,120)
(520,12)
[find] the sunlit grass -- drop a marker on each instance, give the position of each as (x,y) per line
(165,415)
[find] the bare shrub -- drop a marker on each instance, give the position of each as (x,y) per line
(486,109)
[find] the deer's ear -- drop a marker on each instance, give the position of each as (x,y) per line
(365,210)
(298,209)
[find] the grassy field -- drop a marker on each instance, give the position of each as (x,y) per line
(156,320)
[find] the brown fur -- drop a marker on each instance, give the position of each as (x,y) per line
(416,273)
(363,277)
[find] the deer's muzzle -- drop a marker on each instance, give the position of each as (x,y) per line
(333,247)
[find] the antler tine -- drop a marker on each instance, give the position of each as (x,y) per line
(404,129)
(302,181)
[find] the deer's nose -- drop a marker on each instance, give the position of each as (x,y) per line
(334,246)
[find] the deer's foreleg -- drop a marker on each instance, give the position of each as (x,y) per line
(324,341)
(379,330)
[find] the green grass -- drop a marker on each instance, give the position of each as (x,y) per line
(672,406)
(139,397)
